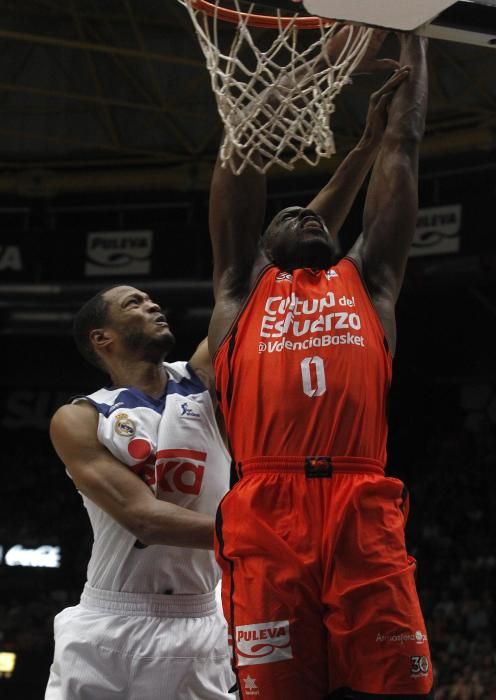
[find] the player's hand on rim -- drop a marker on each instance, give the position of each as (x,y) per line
(379,104)
(369,63)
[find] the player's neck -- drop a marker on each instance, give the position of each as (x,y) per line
(149,377)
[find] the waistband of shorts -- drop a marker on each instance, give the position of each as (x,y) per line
(149,604)
(318,465)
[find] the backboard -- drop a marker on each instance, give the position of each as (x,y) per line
(465,21)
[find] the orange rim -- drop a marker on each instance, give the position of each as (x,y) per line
(263,21)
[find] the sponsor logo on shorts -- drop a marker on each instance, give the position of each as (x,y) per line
(124,426)
(263,643)
(420,637)
(419,666)
(402,637)
(250,686)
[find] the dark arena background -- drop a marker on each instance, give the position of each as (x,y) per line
(108,136)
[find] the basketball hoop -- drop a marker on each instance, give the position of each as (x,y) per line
(262,21)
(274,84)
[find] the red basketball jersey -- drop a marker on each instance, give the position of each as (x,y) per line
(305,369)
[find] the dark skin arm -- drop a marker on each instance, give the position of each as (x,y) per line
(117,490)
(237,204)
(335,200)
(237,212)
(392,200)
(201,362)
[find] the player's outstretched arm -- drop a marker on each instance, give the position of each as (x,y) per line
(117,490)
(237,203)
(392,199)
(236,217)
(370,62)
(335,200)
(201,363)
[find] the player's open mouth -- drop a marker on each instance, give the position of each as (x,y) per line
(312,225)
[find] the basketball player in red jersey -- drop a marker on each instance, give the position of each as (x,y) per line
(318,588)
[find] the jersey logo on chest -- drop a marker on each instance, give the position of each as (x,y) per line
(187,409)
(124,426)
(180,471)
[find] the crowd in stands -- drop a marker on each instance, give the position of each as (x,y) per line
(452,534)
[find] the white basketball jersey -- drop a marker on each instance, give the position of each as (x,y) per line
(174,445)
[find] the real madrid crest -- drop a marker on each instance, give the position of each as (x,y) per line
(124,425)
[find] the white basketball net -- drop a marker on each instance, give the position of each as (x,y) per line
(275,102)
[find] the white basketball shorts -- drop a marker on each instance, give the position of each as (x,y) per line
(129,646)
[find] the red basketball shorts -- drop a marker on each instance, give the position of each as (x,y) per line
(318,589)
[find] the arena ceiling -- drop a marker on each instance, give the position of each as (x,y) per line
(115,95)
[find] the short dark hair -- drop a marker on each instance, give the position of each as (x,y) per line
(93,314)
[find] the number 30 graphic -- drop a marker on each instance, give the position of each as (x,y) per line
(313,376)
